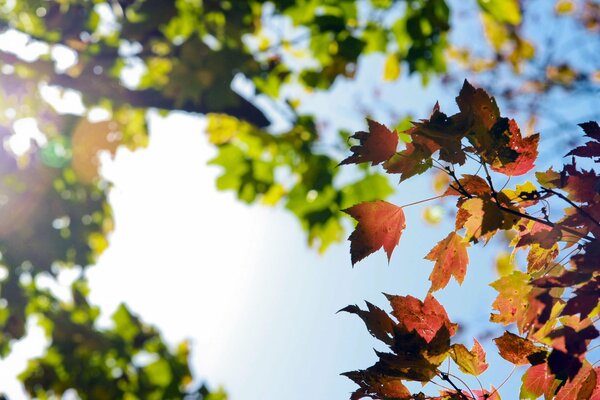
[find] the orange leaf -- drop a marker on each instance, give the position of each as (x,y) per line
(517,350)
(376,146)
(380,224)
(425,318)
(538,381)
(473,184)
(451,258)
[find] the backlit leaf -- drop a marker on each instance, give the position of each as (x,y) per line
(451,259)
(376,146)
(538,381)
(380,224)
(470,362)
(425,318)
(516,349)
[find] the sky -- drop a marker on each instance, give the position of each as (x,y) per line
(240,283)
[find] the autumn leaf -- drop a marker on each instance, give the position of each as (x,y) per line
(413,160)
(518,350)
(511,303)
(538,381)
(451,259)
(481,217)
(444,132)
(581,387)
(477,104)
(584,300)
(425,318)
(524,150)
(379,324)
(376,146)
(377,386)
(472,184)
(539,258)
(380,224)
(592,148)
(470,362)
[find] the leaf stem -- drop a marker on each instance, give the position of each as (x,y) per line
(421,201)
(446,377)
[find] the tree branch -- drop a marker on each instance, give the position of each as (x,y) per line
(97,87)
(579,209)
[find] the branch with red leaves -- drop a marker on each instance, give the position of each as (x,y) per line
(551,304)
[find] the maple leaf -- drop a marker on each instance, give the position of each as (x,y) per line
(446,133)
(380,224)
(537,233)
(518,350)
(451,259)
(377,386)
(582,186)
(413,160)
(592,148)
(540,258)
(481,217)
(425,318)
(478,105)
(524,150)
(581,387)
(513,291)
(472,184)
(470,362)
(379,324)
(376,146)
(538,381)
(584,300)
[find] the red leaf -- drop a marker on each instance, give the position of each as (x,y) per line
(526,150)
(425,318)
(451,258)
(376,146)
(537,381)
(581,387)
(380,224)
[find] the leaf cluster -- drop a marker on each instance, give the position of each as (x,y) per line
(554,304)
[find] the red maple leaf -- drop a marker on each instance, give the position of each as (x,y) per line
(380,224)
(525,149)
(376,146)
(424,318)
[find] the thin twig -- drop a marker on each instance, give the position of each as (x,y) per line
(579,209)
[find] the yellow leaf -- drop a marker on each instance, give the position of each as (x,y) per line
(391,69)
(563,7)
